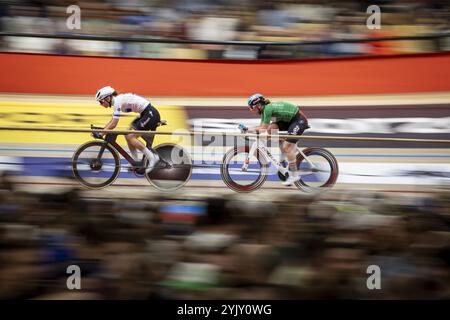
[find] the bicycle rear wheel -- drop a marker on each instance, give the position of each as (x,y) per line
(319,172)
(96,164)
(175,169)
(236,178)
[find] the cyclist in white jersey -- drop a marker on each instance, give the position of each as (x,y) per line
(148,119)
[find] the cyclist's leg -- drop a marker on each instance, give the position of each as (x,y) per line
(282,126)
(134,144)
(148,120)
(131,146)
(296,128)
(273,128)
(132,139)
(289,150)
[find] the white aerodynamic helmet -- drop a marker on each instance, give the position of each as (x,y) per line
(104,92)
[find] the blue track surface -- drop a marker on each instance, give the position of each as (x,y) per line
(61,167)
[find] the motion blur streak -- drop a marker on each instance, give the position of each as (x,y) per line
(388,211)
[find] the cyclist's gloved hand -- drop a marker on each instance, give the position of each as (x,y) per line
(97,135)
(242,127)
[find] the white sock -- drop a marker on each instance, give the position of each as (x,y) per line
(293,169)
(134,154)
(150,155)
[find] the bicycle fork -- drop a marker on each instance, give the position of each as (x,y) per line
(102,149)
(250,154)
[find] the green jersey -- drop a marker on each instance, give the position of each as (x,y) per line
(282,111)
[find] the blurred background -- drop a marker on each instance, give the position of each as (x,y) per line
(226,20)
(389,208)
(193,246)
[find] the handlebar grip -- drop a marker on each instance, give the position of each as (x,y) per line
(96,135)
(242,128)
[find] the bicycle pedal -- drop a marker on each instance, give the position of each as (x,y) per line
(282,177)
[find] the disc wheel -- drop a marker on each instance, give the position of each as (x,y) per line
(173,171)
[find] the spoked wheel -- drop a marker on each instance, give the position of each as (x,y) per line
(244,180)
(96,164)
(318,172)
(173,171)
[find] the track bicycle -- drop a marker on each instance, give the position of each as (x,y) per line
(246,168)
(97,164)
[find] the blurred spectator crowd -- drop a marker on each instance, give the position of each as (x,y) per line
(225,20)
(258,247)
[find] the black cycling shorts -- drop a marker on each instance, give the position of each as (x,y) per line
(295,127)
(147,120)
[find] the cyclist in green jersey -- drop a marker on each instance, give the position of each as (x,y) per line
(288,117)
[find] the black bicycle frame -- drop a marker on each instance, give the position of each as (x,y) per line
(111,139)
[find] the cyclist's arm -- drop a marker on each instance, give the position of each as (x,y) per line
(265,120)
(115,119)
(260,128)
(111,125)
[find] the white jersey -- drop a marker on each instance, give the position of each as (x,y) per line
(128,102)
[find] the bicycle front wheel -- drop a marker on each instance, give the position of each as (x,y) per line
(319,170)
(249,179)
(96,165)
